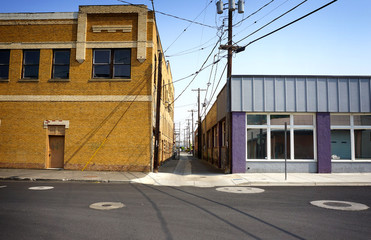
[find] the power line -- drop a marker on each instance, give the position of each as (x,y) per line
(292,9)
(252,14)
(198,71)
(170,15)
(188,26)
(221,76)
(278,29)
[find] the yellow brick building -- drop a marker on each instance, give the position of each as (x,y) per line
(79,90)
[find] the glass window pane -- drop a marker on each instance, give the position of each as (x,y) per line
(256,119)
(102,56)
(340,144)
(257,143)
(61,72)
(338,120)
(278,144)
(280,119)
(362,120)
(62,57)
(122,56)
(31,71)
(4,57)
(362,144)
(122,71)
(303,120)
(4,72)
(31,57)
(303,144)
(102,71)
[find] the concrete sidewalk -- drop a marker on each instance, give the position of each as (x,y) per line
(189,171)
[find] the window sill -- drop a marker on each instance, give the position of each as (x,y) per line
(4,80)
(110,80)
(28,80)
(58,80)
(281,160)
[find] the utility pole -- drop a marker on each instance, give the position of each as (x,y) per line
(199,143)
(230,48)
(193,132)
(158,107)
(189,134)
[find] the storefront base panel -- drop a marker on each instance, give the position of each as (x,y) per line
(279,167)
(351,167)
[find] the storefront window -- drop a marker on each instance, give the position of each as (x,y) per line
(303,144)
(363,144)
(303,119)
(280,119)
(278,144)
(340,145)
(362,120)
(351,137)
(266,136)
(338,120)
(256,119)
(257,143)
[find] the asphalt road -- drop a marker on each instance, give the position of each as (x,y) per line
(178,212)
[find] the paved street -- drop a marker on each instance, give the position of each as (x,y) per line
(159,212)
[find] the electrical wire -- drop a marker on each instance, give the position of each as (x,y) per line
(169,15)
(298,19)
(176,39)
(252,14)
(202,66)
(292,9)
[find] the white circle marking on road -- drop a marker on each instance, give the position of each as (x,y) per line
(107,205)
(41,188)
(240,190)
(340,205)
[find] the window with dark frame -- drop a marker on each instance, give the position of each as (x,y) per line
(4,64)
(31,59)
(61,64)
(112,63)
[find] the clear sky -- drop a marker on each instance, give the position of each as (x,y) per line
(336,40)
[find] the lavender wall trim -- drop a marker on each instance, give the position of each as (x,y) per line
(323,142)
(238,142)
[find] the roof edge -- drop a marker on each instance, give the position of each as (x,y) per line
(302,76)
(38,16)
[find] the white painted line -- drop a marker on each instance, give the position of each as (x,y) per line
(240,190)
(4,186)
(340,205)
(107,205)
(41,188)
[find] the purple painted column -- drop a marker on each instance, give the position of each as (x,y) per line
(238,142)
(323,142)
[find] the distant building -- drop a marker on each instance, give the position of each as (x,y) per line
(79,90)
(328,124)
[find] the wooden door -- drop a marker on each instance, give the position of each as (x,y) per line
(56,151)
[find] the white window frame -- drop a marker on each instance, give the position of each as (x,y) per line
(350,127)
(291,127)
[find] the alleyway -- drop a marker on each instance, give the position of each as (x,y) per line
(187,164)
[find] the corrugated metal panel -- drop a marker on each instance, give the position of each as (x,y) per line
(260,93)
(221,105)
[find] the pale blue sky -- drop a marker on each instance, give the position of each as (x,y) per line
(335,40)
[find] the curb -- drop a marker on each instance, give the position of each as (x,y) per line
(61,180)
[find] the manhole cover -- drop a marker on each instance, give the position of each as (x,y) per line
(41,188)
(240,190)
(107,205)
(340,205)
